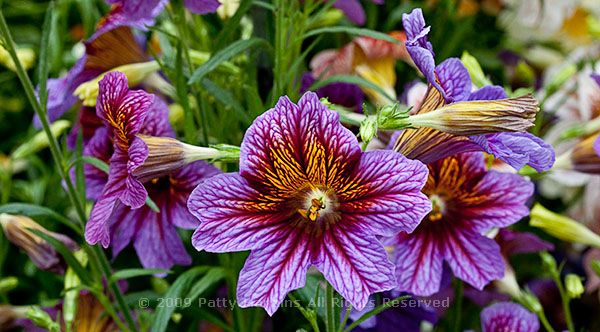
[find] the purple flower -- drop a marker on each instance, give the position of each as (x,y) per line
(115,219)
(306,195)
(353,9)
(467,201)
(340,93)
(508,316)
(450,82)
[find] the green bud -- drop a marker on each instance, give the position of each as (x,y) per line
(330,18)
(549,262)
(477,76)
(562,227)
(7,284)
(574,286)
(393,117)
(40,141)
(531,302)
(41,318)
(368,129)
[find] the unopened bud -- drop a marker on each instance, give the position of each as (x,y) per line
(7,284)
(574,286)
(368,129)
(8,315)
(530,301)
(18,231)
(562,227)
(549,262)
(584,156)
(481,116)
(393,117)
(42,319)
(25,55)
(87,92)
(330,18)
(227,8)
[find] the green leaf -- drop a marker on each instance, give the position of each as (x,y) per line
(224,55)
(132,273)
(67,255)
(353,31)
(179,289)
(213,276)
(32,210)
(47,29)
(226,98)
(354,80)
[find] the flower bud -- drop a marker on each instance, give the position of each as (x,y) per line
(481,116)
(368,129)
(549,262)
(25,55)
(87,92)
(584,157)
(7,284)
(530,301)
(330,18)
(574,286)
(42,319)
(8,315)
(18,231)
(228,8)
(40,140)
(562,227)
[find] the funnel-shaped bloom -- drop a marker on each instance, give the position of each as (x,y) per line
(467,201)
(306,195)
(450,83)
(508,316)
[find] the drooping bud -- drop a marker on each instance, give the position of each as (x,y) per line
(562,227)
(18,231)
(166,154)
(574,286)
(87,92)
(481,116)
(40,140)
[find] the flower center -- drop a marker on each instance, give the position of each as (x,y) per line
(317,203)
(438,207)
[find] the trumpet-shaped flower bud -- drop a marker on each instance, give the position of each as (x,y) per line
(18,230)
(574,286)
(562,227)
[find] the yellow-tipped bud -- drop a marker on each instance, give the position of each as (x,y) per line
(87,92)
(562,227)
(40,140)
(25,55)
(481,117)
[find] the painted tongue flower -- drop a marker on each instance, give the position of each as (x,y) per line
(145,161)
(497,130)
(306,195)
(467,201)
(508,316)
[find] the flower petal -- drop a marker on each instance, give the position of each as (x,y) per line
(271,272)
(507,316)
(202,6)
(490,92)
(352,9)
(472,257)
(291,145)
(233,216)
(383,193)
(418,260)
(356,265)
(454,79)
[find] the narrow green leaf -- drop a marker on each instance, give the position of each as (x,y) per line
(67,255)
(179,288)
(226,98)
(132,273)
(224,55)
(32,210)
(352,31)
(213,276)
(354,80)
(43,60)
(99,164)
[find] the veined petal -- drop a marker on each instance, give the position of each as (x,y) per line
(99,146)
(474,258)
(271,272)
(137,14)
(383,193)
(454,80)
(490,92)
(233,216)
(507,316)
(292,145)
(418,260)
(356,265)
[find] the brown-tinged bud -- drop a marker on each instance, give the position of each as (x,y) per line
(18,231)
(481,116)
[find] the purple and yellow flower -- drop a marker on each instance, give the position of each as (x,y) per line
(508,316)
(306,195)
(449,82)
(468,200)
(145,161)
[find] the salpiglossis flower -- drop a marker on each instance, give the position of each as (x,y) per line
(468,200)
(306,195)
(508,316)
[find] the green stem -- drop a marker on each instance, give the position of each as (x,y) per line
(545,322)
(329,314)
(40,111)
(306,313)
(346,317)
(565,301)
(458,294)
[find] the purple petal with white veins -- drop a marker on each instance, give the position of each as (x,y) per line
(274,270)
(508,316)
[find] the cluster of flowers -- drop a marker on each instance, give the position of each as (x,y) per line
(429,198)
